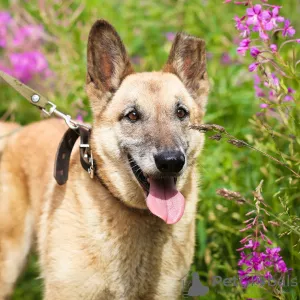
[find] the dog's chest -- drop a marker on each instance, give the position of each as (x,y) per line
(140,261)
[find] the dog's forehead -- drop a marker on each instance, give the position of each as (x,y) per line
(154,85)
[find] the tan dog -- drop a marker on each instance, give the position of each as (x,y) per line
(111,237)
(6,130)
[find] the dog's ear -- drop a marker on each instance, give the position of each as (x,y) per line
(187,60)
(107,61)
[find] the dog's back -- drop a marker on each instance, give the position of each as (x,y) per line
(25,170)
(6,130)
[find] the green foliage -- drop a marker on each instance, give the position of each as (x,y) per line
(232,104)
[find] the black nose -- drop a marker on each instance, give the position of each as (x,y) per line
(169,161)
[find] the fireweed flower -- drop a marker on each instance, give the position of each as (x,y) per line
(258,261)
(5,19)
(253,14)
(21,49)
(28,32)
(271,18)
(264,105)
(244,46)
(273,48)
(288,30)
(253,66)
(27,64)
(170,36)
(254,51)
(289,96)
(261,21)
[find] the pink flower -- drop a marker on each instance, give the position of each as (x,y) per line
(264,105)
(244,46)
(79,118)
(28,32)
(5,19)
(263,35)
(239,25)
(226,59)
(289,96)
(273,48)
(253,66)
(288,30)
(170,36)
(254,51)
(253,14)
(28,64)
(275,79)
(271,18)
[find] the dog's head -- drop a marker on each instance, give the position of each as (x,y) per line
(141,139)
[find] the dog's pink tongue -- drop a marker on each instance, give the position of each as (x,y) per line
(165,201)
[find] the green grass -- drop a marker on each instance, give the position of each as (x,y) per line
(142,25)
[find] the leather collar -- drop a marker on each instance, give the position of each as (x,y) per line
(62,161)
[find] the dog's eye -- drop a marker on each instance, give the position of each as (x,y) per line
(181,113)
(133,116)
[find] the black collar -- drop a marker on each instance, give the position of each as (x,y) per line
(61,167)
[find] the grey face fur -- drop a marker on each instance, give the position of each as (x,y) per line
(155,97)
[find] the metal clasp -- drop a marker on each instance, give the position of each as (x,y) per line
(71,124)
(91,168)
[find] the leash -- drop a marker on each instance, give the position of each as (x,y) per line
(76,130)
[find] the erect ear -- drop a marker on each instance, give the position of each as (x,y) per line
(187,60)
(107,61)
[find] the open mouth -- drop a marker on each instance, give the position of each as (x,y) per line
(138,173)
(163,198)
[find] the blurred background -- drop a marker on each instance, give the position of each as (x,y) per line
(43,43)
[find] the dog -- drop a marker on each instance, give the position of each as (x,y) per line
(6,129)
(129,232)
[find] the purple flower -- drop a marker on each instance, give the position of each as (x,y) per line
(244,46)
(79,118)
(32,32)
(259,92)
(273,48)
(298,41)
(254,51)
(5,19)
(264,105)
(271,17)
(272,97)
(170,36)
(28,64)
(263,35)
(280,267)
(275,79)
(289,96)
(288,30)
(268,275)
(226,59)
(239,25)
(6,70)
(253,14)
(256,80)
(253,66)
(266,262)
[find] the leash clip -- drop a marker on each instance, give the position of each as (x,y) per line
(91,168)
(71,124)
(88,156)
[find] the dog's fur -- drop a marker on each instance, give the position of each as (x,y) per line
(96,238)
